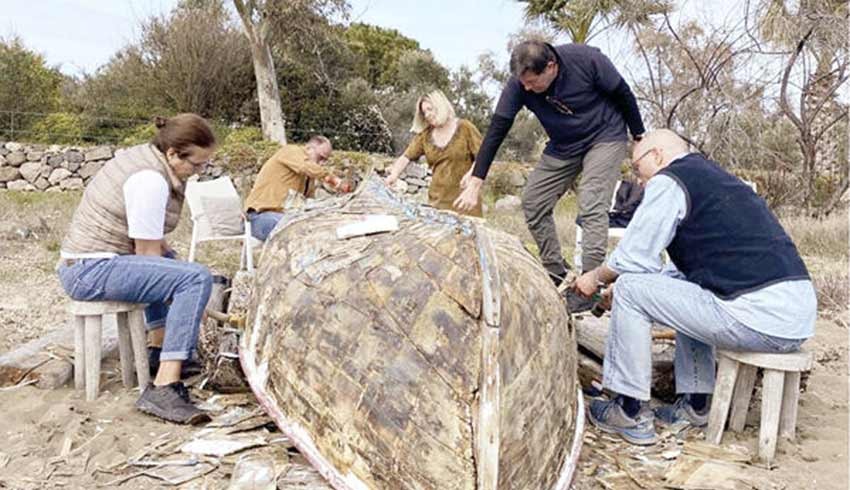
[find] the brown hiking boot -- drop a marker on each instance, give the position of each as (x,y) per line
(171,402)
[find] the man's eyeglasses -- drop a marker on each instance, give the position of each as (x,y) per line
(638,159)
(559,105)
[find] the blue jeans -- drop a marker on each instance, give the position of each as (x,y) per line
(263,223)
(152,280)
(700,322)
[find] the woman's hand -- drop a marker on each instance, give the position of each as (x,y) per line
(390,179)
(465,180)
(471,195)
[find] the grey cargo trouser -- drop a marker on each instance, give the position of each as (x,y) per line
(549,181)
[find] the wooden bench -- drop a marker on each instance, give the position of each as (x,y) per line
(88,318)
(736,374)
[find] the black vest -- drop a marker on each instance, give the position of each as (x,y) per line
(729,242)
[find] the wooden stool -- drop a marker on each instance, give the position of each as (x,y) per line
(736,374)
(88,318)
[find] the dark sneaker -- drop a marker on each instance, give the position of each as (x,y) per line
(171,402)
(187,370)
(681,412)
(609,416)
(577,303)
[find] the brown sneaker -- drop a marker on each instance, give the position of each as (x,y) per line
(171,402)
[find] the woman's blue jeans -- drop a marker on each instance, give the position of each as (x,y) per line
(176,293)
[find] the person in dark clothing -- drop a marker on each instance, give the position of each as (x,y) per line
(584,105)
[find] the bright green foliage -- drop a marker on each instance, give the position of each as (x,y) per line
(380,49)
(27,84)
(139,134)
(246,135)
(58,127)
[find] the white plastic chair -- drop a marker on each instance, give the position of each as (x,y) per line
(612,232)
(202,229)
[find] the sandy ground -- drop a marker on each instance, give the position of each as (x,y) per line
(54,439)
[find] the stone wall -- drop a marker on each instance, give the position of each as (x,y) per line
(52,168)
(32,167)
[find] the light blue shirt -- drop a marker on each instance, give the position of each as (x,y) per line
(786,309)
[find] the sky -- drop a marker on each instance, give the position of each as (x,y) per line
(78,36)
(81,35)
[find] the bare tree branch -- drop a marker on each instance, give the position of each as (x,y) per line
(685,47)
(783,92)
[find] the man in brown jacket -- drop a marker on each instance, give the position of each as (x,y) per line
(293,167)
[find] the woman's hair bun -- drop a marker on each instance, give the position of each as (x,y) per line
(159,121)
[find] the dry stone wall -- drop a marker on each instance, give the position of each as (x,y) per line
(55,168)
(50,168)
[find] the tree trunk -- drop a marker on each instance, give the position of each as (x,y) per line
(268,95)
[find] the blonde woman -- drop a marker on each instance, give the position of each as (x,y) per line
(448,143)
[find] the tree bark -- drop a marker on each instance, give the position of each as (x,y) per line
(268,94)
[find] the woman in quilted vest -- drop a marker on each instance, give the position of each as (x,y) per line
(115,250)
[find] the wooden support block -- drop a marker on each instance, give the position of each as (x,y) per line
(138,338)
(79,323)
(790,400)
(741,397)
(727,373)
(93,351)
(125,351)
(771,405)
(53,374)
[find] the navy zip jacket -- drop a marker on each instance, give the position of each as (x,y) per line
(587,103)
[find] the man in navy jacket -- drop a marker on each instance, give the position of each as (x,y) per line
(584,105)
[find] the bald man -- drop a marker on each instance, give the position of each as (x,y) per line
(736,282)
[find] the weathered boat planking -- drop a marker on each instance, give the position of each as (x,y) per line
(438,356)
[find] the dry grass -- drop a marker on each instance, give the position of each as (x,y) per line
(514,222)
(823,244)
(824,247)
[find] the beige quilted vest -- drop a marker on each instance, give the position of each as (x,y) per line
(100,221)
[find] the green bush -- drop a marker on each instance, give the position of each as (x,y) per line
(244,148)
(246,135)
(139,134)
(58,128)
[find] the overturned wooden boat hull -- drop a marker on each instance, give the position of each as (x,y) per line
(437,356)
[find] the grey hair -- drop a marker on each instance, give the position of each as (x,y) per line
(531,56)
(318,139)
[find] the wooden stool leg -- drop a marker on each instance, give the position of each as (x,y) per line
(790,399)
(138,336)
(93,352)
(741,397)
(727,372)
(771,404)
(125,349)
(79,323)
